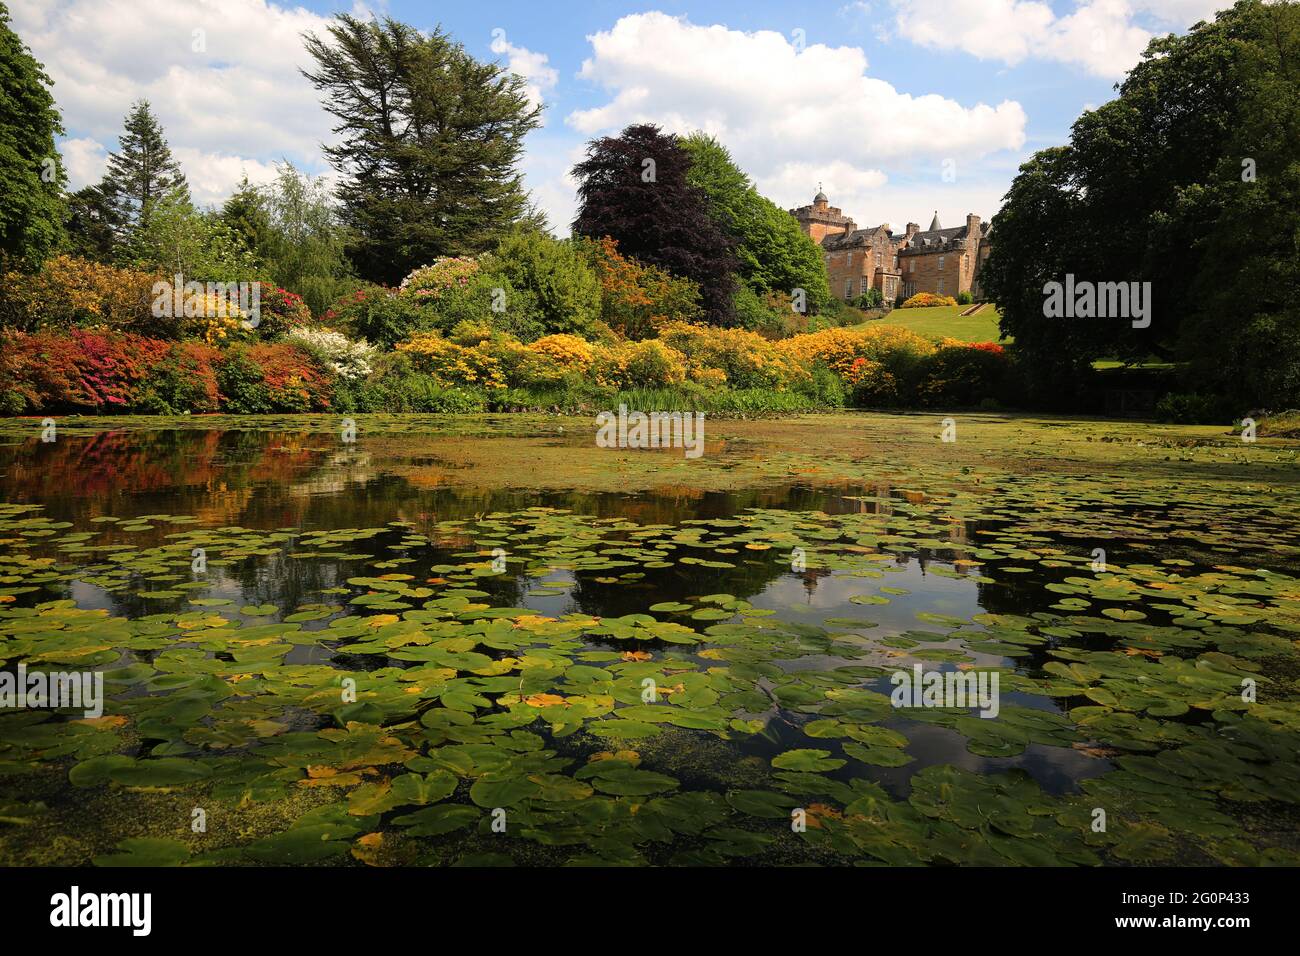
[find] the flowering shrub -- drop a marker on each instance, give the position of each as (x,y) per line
(280,310)
(962,373)
(81,370)
(184,381)
(745,359)
(878,362)
(554,358)
(293,380)
(428,283)
(482,363)
(926,300)
(646,364)
(349,359)
(638,299)
(70,291)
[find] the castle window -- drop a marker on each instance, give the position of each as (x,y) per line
(879,259)
(848,289)
(862,285)
(941,262)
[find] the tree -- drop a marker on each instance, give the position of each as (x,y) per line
(245,215)
(773,253)
(634,189)
(1188,180)
(31,177)
(176,238)
(89,225)
(431,141)
(304,244)
(141,173)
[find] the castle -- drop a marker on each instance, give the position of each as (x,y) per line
(938,260)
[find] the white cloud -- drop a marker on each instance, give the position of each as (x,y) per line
(790,117)
(84,160)
(221,75)
(533,67)
(1103,37)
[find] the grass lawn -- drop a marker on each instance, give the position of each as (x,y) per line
(945,320)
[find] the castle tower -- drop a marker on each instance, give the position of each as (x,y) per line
(820,219)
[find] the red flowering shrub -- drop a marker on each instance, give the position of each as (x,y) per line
(77,371)
(293,380)
(279,311)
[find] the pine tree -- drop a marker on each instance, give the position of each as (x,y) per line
(141,174)
(31,177)
(431,140)
(245,213)
(634,188)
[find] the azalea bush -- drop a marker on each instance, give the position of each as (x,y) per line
(69,291)
(964,374)
(280,311)
(636,300)
(928,301)
(349,359)
(80,370)
(744,359)
(183,381)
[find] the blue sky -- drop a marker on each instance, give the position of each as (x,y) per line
(899,107)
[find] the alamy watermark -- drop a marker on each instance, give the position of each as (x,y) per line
(78,690)
(1098,300)
(921,688)
(201,300)
(653,430)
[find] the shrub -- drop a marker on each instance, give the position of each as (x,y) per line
(348,359)
(963,374)
(242,385)
(878,364)
(964,298)
(746,359)
(871,299)
(280,311)
(184,381)
(926,300)
(558,358)
(376,314)
(637,299)
(474,357)
(1191,408)
(68,291)
(294,380)
(563,288)
(646,364)
(396,386)
(81,370)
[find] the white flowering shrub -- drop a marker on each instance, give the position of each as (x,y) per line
(351,359)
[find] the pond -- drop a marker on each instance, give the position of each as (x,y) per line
(490,641)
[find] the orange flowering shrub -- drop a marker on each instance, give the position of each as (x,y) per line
(69,291)
(293,380)
(554,358)
(646,364)
(926,300)
(879,362)
(638,299)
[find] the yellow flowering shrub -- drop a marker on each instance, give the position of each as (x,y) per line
(555,357)
(747,359)
(71,291)
(484,364)
(646,364)
(926,300)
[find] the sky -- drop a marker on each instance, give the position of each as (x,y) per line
(898,109)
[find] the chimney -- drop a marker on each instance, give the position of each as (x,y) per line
(972,226)
(912,229)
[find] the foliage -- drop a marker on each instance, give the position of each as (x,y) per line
(634,189)
(83,370)
(1189,179)
(772,252)
(744,359)
(31,176)
(871,299)
(430,141)
(279,311)
(177,239)
(637,299)
(555,278)
(272,377)
(184,381)
(68,291)
(928,300)
(376,314)
(964,298)
(302,246)
(879,364)
(963,374)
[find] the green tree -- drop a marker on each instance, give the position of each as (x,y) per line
(559,285)
(772,252)
(430,143)
(304,247)
(634,189)
(176,238)
(141,173)
(245,215)
(90,225)
(1189,180)
(31,177)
